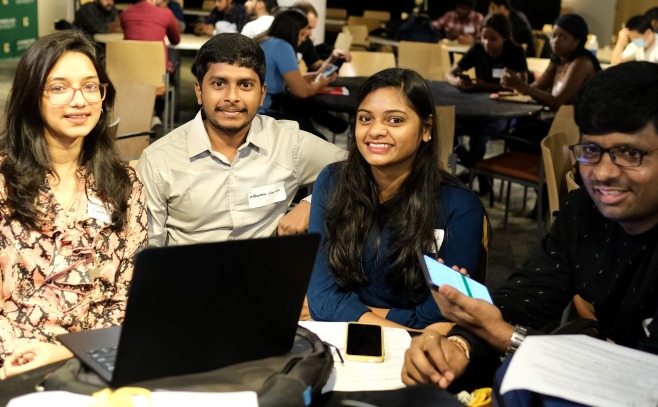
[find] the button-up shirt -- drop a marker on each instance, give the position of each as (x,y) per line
(195,194)
(71,275)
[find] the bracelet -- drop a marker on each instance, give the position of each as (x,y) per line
(515,341)
(462,344)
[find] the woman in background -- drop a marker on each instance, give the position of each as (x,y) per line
(280,44)
(388,203)
(570,67)
(72,215)
(495,52)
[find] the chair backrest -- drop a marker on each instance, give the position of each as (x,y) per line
(382,16)
(539,39)
(446,117)
(431,61)
(365,63)
(564,122)
(359,35)
(557,163)
(208,5)
(571,181)
(558,160)
(130,147)
(135,102)
(343,41)
(336,13)
(538,65)
(138,61)
(371,23)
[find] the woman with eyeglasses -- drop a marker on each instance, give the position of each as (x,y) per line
(72,215)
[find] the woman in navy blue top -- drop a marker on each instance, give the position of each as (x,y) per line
(388,202)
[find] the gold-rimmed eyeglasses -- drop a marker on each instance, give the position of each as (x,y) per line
(63,95)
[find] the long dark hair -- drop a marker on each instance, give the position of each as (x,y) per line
(23,143)
(355,217)
(499,23)
(286,25)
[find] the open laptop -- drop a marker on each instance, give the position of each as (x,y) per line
(200,307)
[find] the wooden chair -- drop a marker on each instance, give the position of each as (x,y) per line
(557,157)
(570,178)
(343,41)
(371,23)
(540,40)
(130,146)
(208,5)
(557,162)
(336,13)
(359,35)
(514,167)
(382,16)
(134,110)
(365,63)
(431,61)
(142,61)
(446,118)
(134,106)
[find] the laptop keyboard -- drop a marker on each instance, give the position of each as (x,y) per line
(105,357)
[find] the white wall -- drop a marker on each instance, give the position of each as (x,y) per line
(50,11)
(599,14)
(321,7)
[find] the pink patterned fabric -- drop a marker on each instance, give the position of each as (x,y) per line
(72,275)
(455,26)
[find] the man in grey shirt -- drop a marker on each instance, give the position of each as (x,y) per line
(230,173)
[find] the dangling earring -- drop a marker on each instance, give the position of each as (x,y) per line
(101,110)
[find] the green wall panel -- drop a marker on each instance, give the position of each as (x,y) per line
(19,26)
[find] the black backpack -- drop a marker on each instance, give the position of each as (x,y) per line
(293,379)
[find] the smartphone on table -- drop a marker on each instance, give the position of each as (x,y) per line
(364,343)
(334,67)
(437,274)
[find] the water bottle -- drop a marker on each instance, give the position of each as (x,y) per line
(592,44)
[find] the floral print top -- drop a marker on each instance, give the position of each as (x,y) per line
(72,275)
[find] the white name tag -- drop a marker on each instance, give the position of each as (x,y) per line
(469,29)
(96,210)
(645,326)
(497,73)
(265,195)
(438,237)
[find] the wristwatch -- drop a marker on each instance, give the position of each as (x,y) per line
(515,341)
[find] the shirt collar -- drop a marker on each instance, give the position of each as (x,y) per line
(198,141)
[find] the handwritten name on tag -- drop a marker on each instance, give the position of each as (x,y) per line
(265,195)
(497,73)
(469,29)
(97,210)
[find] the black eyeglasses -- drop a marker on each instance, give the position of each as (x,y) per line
(63,95)
(623,156)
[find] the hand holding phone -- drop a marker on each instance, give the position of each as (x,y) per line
(437,274)
(364,343)
(334,67)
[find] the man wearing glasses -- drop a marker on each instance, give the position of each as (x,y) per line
(602,246)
